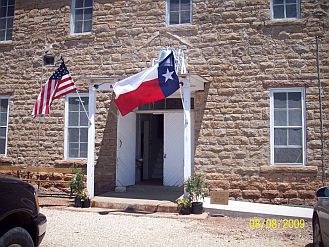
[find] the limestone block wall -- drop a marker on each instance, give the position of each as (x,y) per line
(234,44)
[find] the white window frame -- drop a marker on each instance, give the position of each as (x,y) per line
(168,14)
(66,132)
(285,14)
(6,146)
(6,18)
(288,90)
(73,19)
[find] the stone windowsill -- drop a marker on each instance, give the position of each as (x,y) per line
(4,159)
(69,163)
(7,43)
(80,36)
(288,169)
(181,27)
(284,22)
(279,22)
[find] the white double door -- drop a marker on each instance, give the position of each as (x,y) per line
(173,166)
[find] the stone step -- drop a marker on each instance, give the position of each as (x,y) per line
(157,188)
(134,205)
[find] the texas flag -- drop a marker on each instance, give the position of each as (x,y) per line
(155,83)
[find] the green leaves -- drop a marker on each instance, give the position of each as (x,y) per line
(194,187)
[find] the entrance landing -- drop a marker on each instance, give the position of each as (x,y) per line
(141,198)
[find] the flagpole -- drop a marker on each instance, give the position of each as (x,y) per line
(83,106)
(41,81)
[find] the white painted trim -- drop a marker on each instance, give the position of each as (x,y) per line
(298,11)
(187,129)
(303,99)
(6,146)
(91,143)
(66,115)
(72,31)
(179,24)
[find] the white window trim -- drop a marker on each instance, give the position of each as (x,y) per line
(168,15)
(294,18)
(66,140)
(6,147)
(72,21)
(285,90)
(6,17)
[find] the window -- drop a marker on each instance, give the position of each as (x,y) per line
(285,9)
(4,109)
(179,11)
(82,15)
(288,126)
(49,60)
(76,131)
(6,19)
(166,104)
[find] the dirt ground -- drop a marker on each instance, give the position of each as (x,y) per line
(238,231)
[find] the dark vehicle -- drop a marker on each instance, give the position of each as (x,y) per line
(320,219)
(21,224)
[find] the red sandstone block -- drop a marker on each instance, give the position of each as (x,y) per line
(270,193)
(251,194)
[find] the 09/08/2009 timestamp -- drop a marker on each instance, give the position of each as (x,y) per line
(268,223)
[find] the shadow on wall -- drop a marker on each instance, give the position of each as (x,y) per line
(199,108)
(105,147)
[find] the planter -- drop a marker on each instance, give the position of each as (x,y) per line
(77,202)
(86,203)
(184,211)
(197,207)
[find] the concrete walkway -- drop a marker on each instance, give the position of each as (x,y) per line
(250,209)
(234,208)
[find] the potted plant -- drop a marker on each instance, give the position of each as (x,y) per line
(86,200)
(194,187)
(184,205)
(77,187)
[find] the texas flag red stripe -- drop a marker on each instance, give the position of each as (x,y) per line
(147,92)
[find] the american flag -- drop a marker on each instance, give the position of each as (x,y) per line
(58,85)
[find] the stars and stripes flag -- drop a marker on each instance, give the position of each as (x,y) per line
(58,85)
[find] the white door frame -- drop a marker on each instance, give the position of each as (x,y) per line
(190,82)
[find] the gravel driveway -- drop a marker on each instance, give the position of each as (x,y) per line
(70,228)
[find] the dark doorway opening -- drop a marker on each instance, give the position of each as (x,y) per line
(150,134)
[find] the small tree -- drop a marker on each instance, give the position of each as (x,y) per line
(77,185)
(194,187)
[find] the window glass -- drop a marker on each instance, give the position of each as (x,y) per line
(2,146)
(283,9)
(7,11)
(287,127)
(168,103)
(280,117)
(3,125)
(291,11)
(82,16)
(179,11)
(280,136)
(77,125)
(288,155)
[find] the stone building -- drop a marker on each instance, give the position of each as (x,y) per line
(254,92)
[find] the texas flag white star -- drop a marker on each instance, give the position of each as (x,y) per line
(168,75)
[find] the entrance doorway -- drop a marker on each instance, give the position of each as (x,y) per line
(150,148)
(150,151)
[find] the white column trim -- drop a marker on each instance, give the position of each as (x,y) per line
(91,143)
(187,128)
